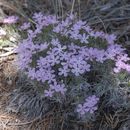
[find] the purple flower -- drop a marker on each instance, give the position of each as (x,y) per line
(38,17)
(81,109)
(78,25)
(50,75)
(90,105)
(52,59)
(31,73)
(55,42)
(25,26)
(121,64)
(78,65)
(51,19)
(113,51)
(59,49)
(87,29)
(58,28)
(10,19)
(58,88)
(84,38)
(73,48)
(92,52)
(100,55)
(64,56)
(45,74)
(64,71)
(75,34)
(117,70)
(62,89)
(43,63)
(99,34)
(48,93)
(91,101)
(110,38)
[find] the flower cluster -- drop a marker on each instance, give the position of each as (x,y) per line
(10,20)
(89,106)
(56,50)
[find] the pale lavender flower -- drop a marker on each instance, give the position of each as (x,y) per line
(59,49)
(117,70)
(51,19)
(10,20)
(55,42)
(121,64)
(25,26)
(92,53)
(114,50)
(38,17)
(84,38)
(81,109)
(90,105)
(123,57)
(75,34)
(73,48)
(99,34)
(64,71)
(43,63)
(65,23)
(49,74)
(87,29)
(100,55)
(53,59)
(78,66)
(110,38)
(78,25)
(31,73)
(48,93)
(62,89)
(41,75)
(64,56)
(58,87)
(58,29)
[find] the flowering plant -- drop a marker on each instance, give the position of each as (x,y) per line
(57,52)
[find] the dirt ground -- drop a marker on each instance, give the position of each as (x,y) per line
(8,78)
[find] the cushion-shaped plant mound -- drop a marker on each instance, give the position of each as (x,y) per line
(60,53)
